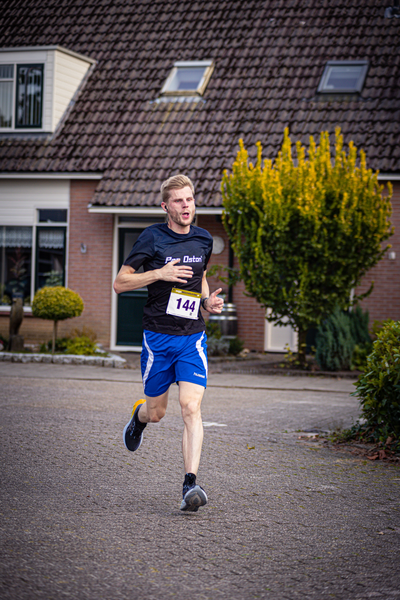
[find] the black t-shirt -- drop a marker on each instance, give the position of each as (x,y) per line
(156,246)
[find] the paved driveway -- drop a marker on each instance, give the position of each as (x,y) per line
(83,518)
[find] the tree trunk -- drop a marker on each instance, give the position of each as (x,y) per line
(302,346)
(53,346)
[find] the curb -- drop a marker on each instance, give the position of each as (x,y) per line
(111,361)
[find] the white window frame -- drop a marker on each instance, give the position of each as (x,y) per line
(8,79)
(331,64)
(206,65)
(15,66)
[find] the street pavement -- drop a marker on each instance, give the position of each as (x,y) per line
(287,519)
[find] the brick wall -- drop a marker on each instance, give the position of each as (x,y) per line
(384,302)
(90,274)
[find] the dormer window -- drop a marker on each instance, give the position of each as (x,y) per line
(343,77)
(188,78)
(37,85)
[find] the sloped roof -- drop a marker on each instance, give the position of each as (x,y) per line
(269,56)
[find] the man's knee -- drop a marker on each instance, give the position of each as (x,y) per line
(191,410)
(156,414)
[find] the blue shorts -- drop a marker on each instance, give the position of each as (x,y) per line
(167,358)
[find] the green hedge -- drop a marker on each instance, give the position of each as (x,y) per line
(379,387)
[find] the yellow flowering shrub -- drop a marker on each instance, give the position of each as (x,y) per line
(305,231)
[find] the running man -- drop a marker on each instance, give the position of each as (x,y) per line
(174,257)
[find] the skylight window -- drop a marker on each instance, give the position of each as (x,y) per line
(188,78)
(343,77)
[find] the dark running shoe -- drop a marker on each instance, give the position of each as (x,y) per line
(133,431)
(193,495)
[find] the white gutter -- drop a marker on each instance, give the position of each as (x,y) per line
(142,210)
(389,176)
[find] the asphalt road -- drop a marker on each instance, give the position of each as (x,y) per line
(83,518)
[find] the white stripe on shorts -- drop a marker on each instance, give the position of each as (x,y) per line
(150,361)
(200,350)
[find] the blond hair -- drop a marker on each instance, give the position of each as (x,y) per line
(177,182)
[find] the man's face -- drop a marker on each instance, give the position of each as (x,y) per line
(180,206)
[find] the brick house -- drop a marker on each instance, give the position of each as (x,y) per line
(100,102)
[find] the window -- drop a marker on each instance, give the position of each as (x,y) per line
(341,77)
(50,256)
(32,257)
(28,96)
(6,95)
(52,215)
(188,78)
(15,263)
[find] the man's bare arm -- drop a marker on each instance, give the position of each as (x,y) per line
(128,280)
(211,303)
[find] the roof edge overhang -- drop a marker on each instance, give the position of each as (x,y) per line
(46,175)
(147,210)
(59,48)
(389,176)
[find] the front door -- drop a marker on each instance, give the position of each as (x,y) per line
(130,304)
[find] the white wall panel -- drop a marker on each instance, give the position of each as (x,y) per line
(19,199)
(69,72)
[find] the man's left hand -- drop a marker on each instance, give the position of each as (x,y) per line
(214,305)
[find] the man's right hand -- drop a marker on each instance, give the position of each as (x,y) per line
(174,272)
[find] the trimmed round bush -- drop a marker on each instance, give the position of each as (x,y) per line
(56,304)
(379,387)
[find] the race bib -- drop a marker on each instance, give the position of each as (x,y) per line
(184,304)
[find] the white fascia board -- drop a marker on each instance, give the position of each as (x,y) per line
(193,63)
(46,48)
(142,210)
(389,176)
(121,210)
(36,175)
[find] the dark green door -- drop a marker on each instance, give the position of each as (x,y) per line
(130,304)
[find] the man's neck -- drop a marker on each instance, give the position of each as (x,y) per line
(181,229)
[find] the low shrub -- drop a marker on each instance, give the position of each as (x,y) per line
(213,330)
(360,356)
(335,343)
(379,387)
(60,345)
(343,341)
(217,346)
(359,322)
(82,345)
(236,345)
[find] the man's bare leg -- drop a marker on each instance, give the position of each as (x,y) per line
(154,409)
(190,397)
(146,411)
